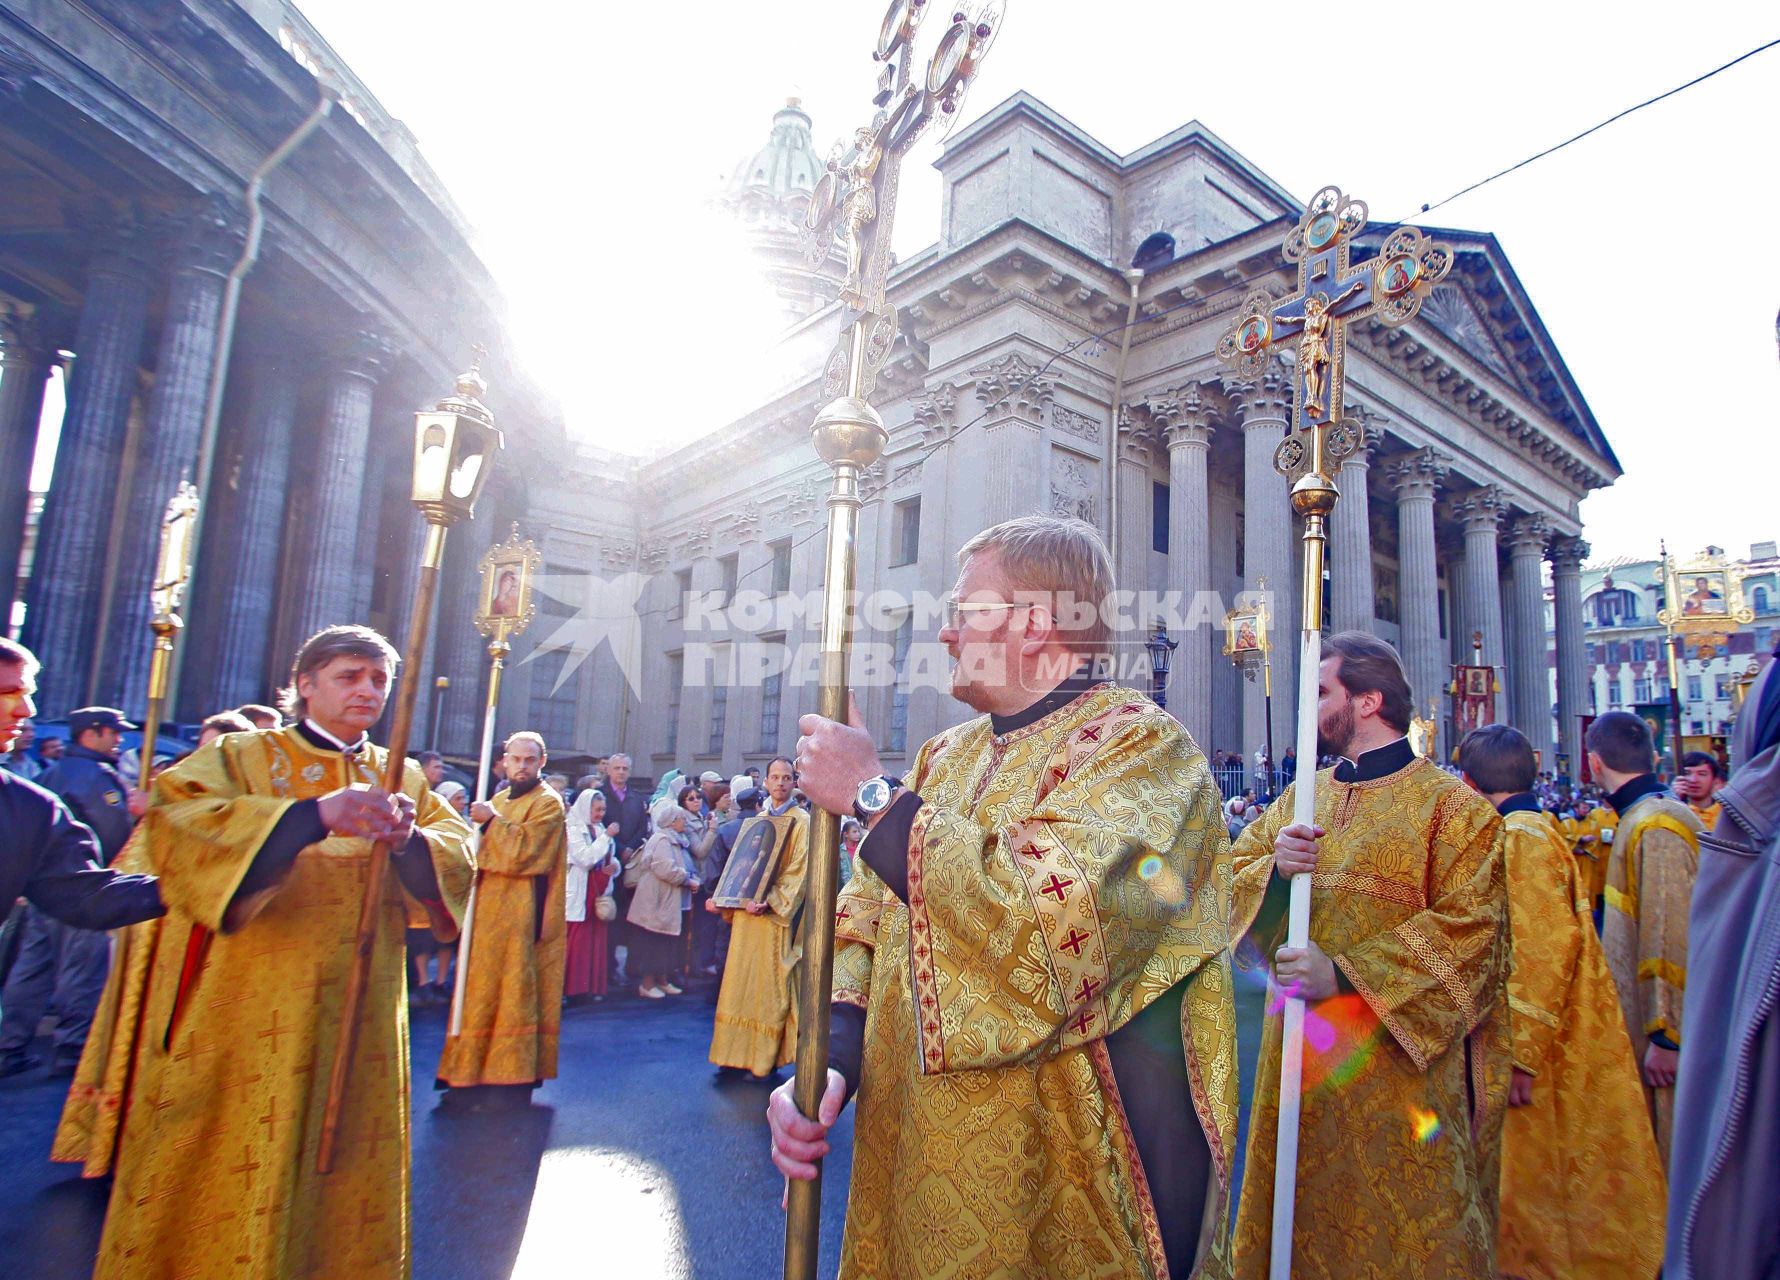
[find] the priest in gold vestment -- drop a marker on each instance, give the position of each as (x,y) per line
(512,957)
(1582,1187)
(1032,991)
(205,1088)
(1406,1044)
(755,1029)
(1656,853)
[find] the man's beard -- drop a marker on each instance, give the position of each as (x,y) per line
(1335,731)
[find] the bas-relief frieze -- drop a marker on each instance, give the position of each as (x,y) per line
(1076,424)
(1074,485)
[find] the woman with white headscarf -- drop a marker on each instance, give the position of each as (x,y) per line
(593,865)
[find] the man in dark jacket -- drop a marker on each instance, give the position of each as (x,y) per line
(627,822)
(52,860)
(56,961)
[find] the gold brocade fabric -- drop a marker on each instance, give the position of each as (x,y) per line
(1405,1079)
(1060,878)
(1582,1187)
(1585,837)
(1656,852)
(514,955)
(756,1024)
(219,1043)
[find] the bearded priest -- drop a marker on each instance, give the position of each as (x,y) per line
(512,960)
(1032,989)
(1406,1036)
(212,1076)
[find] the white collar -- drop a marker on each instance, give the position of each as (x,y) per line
(344,748)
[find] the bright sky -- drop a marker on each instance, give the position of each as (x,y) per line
(584,141)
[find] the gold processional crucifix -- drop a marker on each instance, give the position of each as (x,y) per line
(854,204)
(1330,296)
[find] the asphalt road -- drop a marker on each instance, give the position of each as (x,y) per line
(634,1163)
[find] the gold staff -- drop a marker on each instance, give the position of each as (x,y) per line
(506,609)
(1330,295)
(173,573)
(855,202)
(454,446)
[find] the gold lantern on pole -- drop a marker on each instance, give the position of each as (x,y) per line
(173,574)
(455,444)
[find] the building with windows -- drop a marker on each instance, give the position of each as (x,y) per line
(1627,650)
(118,224)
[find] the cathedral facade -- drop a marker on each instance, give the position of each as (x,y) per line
(1000,401)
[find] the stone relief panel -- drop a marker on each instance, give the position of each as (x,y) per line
(1079,425)
(1075,485)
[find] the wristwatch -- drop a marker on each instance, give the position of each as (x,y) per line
(873,797)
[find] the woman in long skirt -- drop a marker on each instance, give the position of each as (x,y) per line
(592,863)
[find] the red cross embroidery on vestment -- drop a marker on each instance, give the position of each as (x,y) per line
(1073,943)
(1056,886)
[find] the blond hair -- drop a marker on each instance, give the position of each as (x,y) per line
(1066,561)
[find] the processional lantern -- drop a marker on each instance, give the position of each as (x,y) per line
(455,444)
(1161,650)
(172,575)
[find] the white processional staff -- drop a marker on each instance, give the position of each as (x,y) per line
(1390,289)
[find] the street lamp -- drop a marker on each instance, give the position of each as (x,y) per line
(1161,650)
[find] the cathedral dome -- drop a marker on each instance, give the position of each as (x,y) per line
(786,166)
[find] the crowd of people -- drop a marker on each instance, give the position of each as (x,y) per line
(1537,1011)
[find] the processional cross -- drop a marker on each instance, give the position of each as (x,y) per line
(1331,295)
(854,207)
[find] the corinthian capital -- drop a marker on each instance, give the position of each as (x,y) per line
(1267,398)
(1481,508)
(1527,535)
(1566,553)
(1416,474)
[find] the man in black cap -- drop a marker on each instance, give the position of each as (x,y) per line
(48,857)
(57,961)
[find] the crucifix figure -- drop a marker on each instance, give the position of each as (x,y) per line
(1330,294)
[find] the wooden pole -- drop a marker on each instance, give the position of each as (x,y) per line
(346,1043)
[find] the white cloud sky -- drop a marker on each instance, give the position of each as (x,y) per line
(584,142)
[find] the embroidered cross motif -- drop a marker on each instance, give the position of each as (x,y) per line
(1073,943)
(1031,850)
(366,1219)
(842,916)
(274,1031)
(248,1163)
(1056,886)
(273,1118)
(1089,733)
(1081,1024)
(374,1140)
(1088,990)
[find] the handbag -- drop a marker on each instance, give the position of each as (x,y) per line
(605,908)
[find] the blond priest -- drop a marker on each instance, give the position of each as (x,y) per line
(1582,1187)
(1656,852)
(262,841)
(756,1024)
(1032,989)
(1406,1054)
(513,955)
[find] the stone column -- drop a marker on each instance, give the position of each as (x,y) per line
(1529,703)
(26,358)
(1268,550)
(1350,538)
(1415,476)
(1187,430)
(68,573)
(169,451)
(1566,555)
(1014,399)
(239,579)
(1480,514)
(337,557)
(1136,516)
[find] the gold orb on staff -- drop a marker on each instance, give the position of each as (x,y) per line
(173,574)
(854,206)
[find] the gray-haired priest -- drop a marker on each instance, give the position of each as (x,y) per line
(207,1083)
(1032,993)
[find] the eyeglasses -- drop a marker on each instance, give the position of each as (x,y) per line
(956,611)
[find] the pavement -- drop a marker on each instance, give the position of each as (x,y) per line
(634,1163)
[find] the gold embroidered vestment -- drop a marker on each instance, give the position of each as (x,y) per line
(513,984)
(1061,878)
(1582,1187)
(1397,1169)
(211,1069)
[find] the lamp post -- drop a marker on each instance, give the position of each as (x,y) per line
(1161,650)
(455,443)
(439,687)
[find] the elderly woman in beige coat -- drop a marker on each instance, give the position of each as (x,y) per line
(661,872)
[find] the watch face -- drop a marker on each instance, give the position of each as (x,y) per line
(874,795)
